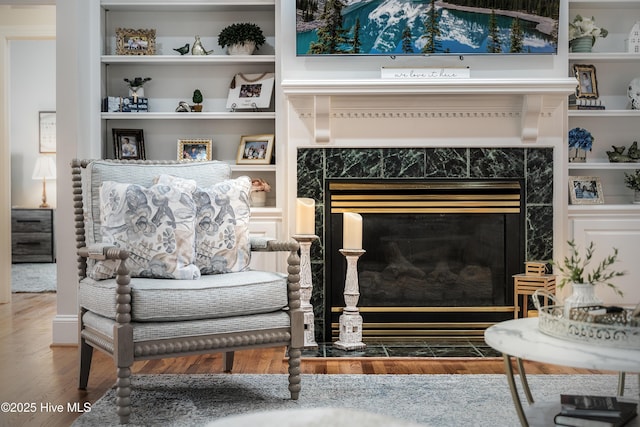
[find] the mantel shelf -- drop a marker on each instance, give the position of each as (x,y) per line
(468,87)
(526,97)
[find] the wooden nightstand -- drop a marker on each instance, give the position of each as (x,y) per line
(32,235)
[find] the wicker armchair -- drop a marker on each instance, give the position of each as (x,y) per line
(130,310)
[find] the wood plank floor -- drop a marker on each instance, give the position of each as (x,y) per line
(32,371)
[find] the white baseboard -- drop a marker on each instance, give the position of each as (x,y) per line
(65,329)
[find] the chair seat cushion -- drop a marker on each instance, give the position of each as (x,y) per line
(150,331)
(210,297)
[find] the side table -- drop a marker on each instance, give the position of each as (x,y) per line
(32,235)
(521,339)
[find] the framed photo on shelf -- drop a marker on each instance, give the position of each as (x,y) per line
(47,131)
(255,149)
(135,42)
(190,150)
(250,91)
(585,190)
(587,81)
(128,144)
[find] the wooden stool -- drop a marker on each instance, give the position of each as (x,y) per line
(526,284)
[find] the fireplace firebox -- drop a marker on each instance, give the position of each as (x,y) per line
(440,255)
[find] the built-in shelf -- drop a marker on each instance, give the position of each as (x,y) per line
(188,59)
(604,113)
(223,115)
(603,164)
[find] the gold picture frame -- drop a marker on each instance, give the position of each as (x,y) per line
(193,150)
(587,82)
(135,42)
(255,149)
(585,190)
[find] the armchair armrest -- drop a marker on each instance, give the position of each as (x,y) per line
(102,251)
(269,244)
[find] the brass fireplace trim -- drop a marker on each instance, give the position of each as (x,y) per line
(480,309)
(439,197)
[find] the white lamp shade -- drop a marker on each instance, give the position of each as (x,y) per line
(45,168)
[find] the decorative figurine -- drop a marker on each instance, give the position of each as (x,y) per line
(198,49)
(183,107)
(618,156)
(183,50)
(633,92)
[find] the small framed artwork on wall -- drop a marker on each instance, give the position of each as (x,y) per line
(47,131)
(255,149)
(585,190)
(128,144)
(194,149)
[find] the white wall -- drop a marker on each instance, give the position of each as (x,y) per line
(15,23)
(32,88)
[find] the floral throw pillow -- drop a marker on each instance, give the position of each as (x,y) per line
(156,225)
(222,226)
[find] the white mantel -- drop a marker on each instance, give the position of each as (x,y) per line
(529,105)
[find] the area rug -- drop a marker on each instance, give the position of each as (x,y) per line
(33,277)
(430,400)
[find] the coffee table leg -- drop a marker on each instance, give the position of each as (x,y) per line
(523,379)
(514,391)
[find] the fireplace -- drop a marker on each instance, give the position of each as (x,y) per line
(440,254)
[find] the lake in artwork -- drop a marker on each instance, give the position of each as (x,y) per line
(462,29)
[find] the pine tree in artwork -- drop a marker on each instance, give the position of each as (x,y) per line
(493,45)
(432,30)
(516,37)
(356,44)
(331,36)
(407,46)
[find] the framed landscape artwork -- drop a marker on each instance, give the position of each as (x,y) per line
(454,27)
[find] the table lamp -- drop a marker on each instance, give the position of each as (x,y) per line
(45,169)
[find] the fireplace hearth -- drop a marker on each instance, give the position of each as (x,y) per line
(440,254)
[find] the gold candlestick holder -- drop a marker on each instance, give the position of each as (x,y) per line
(350,320)
(306,288)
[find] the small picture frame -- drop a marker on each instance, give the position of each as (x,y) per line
(128,144)
(47,138)
(585,190)
(250,91)
(135,42)
(192,150)
(255,149)
(587,82)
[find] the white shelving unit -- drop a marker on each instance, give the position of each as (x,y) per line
(175,77)
(616,223)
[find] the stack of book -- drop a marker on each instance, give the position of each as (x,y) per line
(594,411)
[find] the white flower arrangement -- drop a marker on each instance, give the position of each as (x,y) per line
(581,27)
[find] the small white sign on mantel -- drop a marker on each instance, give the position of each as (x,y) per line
(425,73)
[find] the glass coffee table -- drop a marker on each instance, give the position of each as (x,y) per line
(520,339)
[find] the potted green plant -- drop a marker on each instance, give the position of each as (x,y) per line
(136,84)
(575,270)
(632,181)
(197,100)
(241,38)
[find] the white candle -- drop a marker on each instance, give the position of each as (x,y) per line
(305,216)
(352,231)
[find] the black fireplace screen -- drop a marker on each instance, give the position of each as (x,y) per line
(429,244)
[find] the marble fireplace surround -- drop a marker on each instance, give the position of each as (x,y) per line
(378,129)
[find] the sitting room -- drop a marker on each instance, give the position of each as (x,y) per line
(384,231)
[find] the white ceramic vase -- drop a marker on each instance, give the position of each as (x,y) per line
(583,295)
(258,198)
(242,49)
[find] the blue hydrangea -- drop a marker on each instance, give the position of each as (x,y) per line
(580,138)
